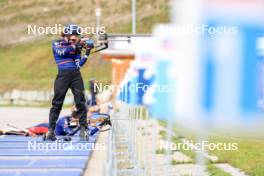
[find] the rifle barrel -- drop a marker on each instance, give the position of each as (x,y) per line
(129,35)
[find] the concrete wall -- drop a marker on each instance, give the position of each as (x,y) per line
(20,97)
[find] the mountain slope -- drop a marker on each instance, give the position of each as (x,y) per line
(26,61)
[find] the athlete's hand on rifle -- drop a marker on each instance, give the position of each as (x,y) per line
(78,47)
(89,43)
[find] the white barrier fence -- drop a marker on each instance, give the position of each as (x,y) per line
(131,143)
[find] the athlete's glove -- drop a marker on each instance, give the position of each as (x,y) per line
(89,43)
(87,51)
(78,48)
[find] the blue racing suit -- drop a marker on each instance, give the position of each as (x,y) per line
(63,126)
(68,59)
(66,56)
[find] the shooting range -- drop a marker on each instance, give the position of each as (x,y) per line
(171,88)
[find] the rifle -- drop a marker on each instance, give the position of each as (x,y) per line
(103,40)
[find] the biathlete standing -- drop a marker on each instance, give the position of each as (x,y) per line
(67,55)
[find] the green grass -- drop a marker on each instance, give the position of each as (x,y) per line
(249,157)
(214,171)
(145,24)
(189,153)
(31,66)
(162,122)
(116,15)
(23,65)
(3,1)
(176,139)
(174,162)
(162,133)
(160,151)
(250,154)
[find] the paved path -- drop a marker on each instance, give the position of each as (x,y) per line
(23,117)
(98,158)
